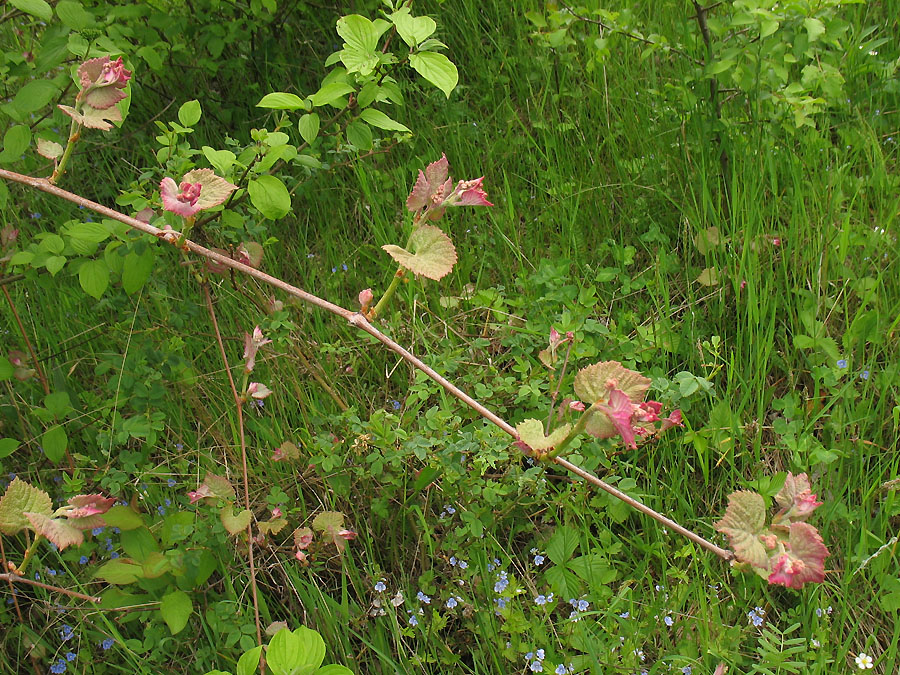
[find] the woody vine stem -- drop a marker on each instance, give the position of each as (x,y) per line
(359,321)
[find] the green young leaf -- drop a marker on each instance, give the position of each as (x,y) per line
(221,160)
(413,30)
(54,441)
(360,32)
(58,403)
(21,498)
(189,113)
(437,69)
(359,135)
(743,523)
(155,565)
(279,100)
(334,669)
(15,142)
(378,119)
(138,543)
(8,446)
(814,28)
(37,8)
(56,530)
(73,15)
(531,431)
(295,652)
(93,275)
(235,523)
(562,544)
(119,571)
(54,264)
(248,664)
(308,125)
(332,94)
(123,517)
(270,196)
(433,255)
(176,609)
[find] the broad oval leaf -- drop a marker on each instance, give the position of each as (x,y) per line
(176,609)
(270,196)
(330,93)
(37,8)
(54,441)
(280,100)
(15,142)
(433,255)
(378,119)
(308,126)
(437,69)
(119,571)
(93,275)
(359,136)
(189,113)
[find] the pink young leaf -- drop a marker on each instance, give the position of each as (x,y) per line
(92,118)
(433,181)
(804,562)
(745,525)
(796,499)
(258,391)
(673,420)
(349,535)
(103,97)
(619,411)
(49,149)
(286,450)
(470,193)
(198,190)
(252,343)
(89,505)
(303,537)
(594,383)
(250,253)
(365,299)
(102,71)
(213,486)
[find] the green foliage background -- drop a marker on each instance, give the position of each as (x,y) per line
(744,256)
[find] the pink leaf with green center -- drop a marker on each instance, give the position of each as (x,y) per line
(21,498)
(303,537)
(250,253)
(258,391)
(745,525)
(252,343)
(433,254)
(286,450)
(213,486)
(331,524)
(198,190)
(235,522)
(531,432)
(103,71)
(804,562)
(57,530)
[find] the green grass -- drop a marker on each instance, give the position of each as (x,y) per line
(600,190)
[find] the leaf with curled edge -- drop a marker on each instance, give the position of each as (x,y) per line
(745,524)
(433,254)
(21,498)
(531,431)
(235,522)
